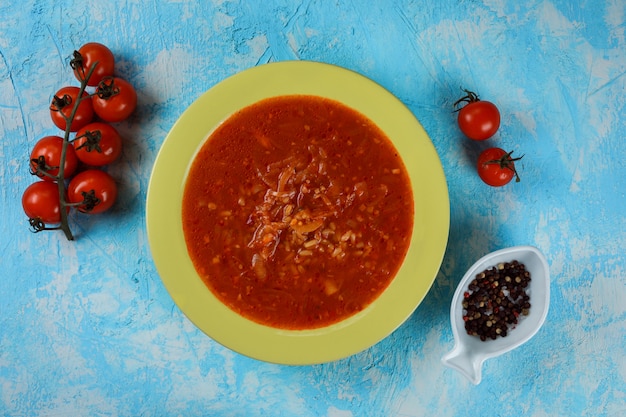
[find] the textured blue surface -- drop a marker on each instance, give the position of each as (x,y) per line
(87,329)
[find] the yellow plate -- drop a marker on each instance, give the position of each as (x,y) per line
(167,242)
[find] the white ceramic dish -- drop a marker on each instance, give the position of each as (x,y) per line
(470,352)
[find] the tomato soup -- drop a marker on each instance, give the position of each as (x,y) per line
(297,212)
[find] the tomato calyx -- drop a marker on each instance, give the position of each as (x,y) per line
(470,97)
(506,162)
(39,167)
(77,64)
(90,201)
(92,141)
(37,225)
(107,88)
(59,103)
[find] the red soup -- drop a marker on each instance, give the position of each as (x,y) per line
(297,212)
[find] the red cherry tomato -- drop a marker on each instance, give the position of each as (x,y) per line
(89,54)
(46,158)
(98,144)
(63,104)
(115,99)
(496,167)
(94,190)
(41,202)
(477,119)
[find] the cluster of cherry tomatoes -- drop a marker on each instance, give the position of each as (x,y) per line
(69,167)
(479,120)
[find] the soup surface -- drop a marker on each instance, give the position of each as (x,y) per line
(297,212)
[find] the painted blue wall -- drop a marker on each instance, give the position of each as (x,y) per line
(87,328)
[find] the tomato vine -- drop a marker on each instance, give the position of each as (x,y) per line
(55,159)
(64,225)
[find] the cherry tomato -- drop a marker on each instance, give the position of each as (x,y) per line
(477,119)
(46,158)
(98,144)
(63,104)
(94,189)
(41,202)
(115,99)
(496,167)
(89,54)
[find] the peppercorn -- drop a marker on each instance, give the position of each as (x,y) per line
(495,299)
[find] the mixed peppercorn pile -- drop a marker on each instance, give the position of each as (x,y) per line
(495,299)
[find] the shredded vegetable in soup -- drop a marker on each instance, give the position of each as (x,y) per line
(297,212)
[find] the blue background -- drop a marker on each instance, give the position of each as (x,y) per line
(87,328)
